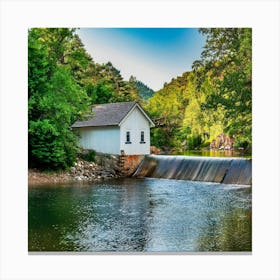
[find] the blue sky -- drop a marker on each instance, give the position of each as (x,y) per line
(153,55)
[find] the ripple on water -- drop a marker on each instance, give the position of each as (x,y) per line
(140,215)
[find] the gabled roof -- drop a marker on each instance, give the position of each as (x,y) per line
(110,114)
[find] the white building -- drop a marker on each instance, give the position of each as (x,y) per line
(115,127)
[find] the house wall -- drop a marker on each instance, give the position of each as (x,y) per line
(135,122)
(101,139)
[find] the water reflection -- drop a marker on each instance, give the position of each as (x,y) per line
(232,233)
(216,153)
(140,215)
(116,220)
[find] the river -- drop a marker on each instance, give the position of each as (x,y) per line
(140,215)
(216,153)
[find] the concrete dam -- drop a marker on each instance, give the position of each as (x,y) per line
(205,169)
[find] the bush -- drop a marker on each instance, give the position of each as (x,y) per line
(194,142)
(89,155)
(159,139)
(50,147)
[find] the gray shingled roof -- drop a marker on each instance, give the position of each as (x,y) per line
(107,114)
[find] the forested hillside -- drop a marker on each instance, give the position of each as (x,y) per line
(144,91)
(214,98)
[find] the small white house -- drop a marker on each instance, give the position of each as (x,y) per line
(115,127)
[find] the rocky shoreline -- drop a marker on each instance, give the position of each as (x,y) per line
(81,172)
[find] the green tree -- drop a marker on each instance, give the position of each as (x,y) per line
(56,99)
(228,59)
(203,125)
(166,107)
(133,90)
(101,92)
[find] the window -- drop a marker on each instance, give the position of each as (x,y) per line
(142,138)
(128,138)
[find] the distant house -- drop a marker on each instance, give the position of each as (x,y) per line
(115,127)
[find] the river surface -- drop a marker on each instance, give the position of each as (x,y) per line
(216,153)
(140,215)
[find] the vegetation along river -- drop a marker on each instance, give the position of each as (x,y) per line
(140,215)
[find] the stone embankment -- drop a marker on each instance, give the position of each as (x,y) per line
(82,171)
(90,171)
(105,166)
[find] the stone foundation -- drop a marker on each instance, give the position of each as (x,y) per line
(129,163)
(108,161)
(123,165)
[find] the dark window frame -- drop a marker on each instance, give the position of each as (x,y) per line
(142,137)
(128,138)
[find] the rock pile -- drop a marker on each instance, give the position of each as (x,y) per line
(89,171)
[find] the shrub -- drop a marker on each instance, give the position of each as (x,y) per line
(89,155)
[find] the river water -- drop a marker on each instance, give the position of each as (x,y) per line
(140,215)
(216,153)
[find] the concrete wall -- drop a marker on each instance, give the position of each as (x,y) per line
(101,139)
(135,122)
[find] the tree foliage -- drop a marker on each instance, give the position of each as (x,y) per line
(56,98)
(214,98)
(227,59)
(166,107)
(144,91)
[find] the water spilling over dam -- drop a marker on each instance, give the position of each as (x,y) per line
(206,169)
